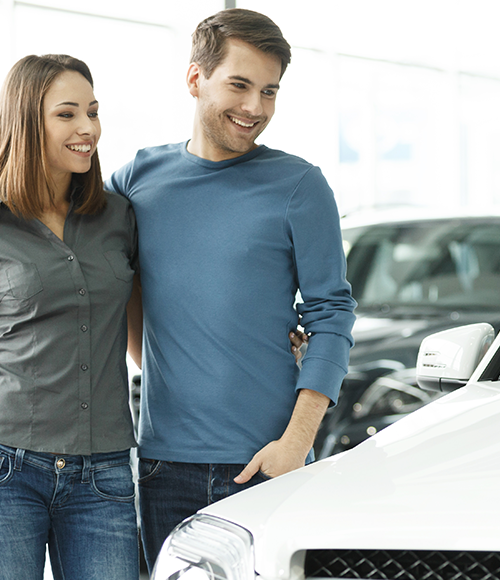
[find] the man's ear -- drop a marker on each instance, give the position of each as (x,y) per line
(193,79)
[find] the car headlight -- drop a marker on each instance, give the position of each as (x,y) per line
(206,548)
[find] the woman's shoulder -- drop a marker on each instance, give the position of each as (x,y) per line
(116,200)
(118,210)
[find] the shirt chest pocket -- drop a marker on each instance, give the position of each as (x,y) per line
(120,265)
(22,281)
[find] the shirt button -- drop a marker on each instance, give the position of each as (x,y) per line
(82,291)
(84,406)
(84,328)
(71,258)
(84,367)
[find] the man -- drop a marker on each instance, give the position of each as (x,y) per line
(228,231)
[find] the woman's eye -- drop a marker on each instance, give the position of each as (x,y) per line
(93,114)
(66,115)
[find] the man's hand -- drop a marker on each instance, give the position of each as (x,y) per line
(290,451)
(276,458)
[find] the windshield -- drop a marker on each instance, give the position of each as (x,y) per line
(452,263)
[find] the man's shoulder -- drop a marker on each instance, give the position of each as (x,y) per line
(159,161)
(282,164)
(160,152)
(286,163)
(279,156)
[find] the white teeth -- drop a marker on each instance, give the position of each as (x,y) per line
(80,148)
(238,122)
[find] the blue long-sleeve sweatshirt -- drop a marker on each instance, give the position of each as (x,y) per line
(224,246)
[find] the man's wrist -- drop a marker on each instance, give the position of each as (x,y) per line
(297,446)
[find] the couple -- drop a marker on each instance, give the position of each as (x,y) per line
(228,231)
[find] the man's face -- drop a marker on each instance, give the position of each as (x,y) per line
(236,103)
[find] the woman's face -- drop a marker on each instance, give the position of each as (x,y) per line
(72,126)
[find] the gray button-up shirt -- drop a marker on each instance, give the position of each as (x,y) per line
(63,331)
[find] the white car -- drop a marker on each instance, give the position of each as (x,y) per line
(419,500)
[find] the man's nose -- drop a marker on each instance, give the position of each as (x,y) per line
(253,103)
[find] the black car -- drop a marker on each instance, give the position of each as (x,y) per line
(411,276)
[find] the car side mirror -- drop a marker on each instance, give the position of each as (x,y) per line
(447,359)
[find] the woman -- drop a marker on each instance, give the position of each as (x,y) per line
(67,260)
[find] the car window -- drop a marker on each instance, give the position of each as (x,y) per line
(448,263)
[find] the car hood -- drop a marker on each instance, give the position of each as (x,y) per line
(430,481)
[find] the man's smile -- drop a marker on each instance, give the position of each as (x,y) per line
(246,124)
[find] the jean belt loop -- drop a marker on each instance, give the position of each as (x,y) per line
(18,463)
(86,468)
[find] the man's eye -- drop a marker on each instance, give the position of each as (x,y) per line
(269,93)
(239,85)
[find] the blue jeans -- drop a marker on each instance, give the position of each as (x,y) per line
(81,506)
(170,492)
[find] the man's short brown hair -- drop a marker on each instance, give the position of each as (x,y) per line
(209,38)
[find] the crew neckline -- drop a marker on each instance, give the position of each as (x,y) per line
(225,162)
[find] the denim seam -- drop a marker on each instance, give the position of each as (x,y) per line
(119,499)
(86,469)
(10,473)
(39,465)
(108,465)
(18,462)
(56,490)
(58,556)
(210,474)
(152,473)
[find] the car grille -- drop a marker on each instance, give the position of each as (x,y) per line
(402,565)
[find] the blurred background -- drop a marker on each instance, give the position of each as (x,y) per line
(397,101)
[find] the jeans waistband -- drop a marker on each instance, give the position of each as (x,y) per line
(74,463)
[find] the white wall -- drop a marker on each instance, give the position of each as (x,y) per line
(138,53)
(397,101)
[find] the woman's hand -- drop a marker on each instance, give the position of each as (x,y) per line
(299,344)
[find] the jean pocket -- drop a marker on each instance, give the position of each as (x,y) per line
(263,476)
(114,483)
(6,469)
(148,469)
